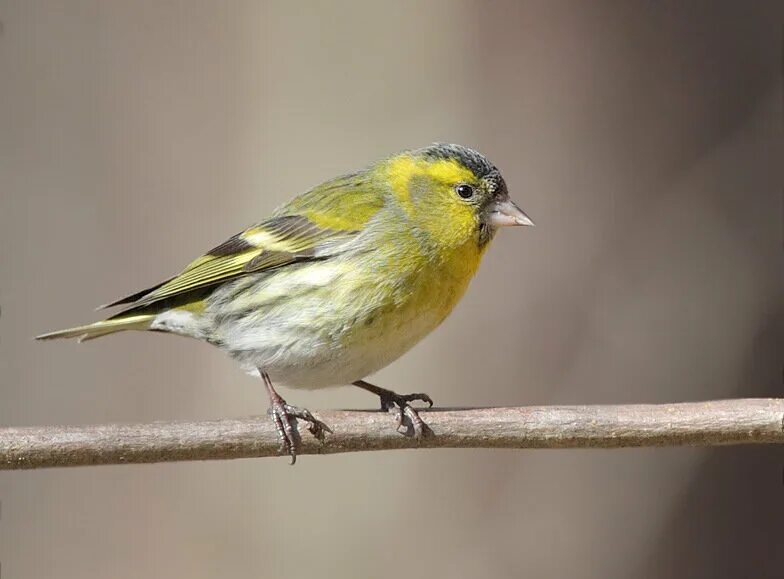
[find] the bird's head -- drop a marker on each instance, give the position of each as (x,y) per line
(452,192)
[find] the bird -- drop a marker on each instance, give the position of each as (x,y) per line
(337,283)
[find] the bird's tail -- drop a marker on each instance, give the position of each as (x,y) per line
(103,328)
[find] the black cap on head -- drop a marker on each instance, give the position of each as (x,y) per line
(474,161)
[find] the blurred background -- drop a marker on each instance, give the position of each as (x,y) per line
(644,138)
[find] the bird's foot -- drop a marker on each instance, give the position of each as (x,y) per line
(282,414)
(389,399)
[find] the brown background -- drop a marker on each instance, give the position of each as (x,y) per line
(644,138)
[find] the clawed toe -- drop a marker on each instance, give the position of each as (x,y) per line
(391,400)
(418,427)
(315,426)
(282,415)
(421,396)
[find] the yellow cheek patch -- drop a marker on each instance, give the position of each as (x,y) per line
(425,189)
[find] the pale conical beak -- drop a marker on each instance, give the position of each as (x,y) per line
(505,213)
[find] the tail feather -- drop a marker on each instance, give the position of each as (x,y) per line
(103,328)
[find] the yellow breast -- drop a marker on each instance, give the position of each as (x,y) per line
(406,311)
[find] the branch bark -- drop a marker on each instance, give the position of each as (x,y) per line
(714,423)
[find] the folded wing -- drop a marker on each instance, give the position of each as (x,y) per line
(316,225)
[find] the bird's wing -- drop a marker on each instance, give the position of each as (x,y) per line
(316,225)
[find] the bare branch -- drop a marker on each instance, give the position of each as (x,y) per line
(745,421)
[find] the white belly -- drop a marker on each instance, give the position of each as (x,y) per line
(308,334)
(307,361)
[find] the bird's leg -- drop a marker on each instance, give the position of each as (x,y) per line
(282,413)
(390,399)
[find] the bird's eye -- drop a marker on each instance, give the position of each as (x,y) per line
(465,191)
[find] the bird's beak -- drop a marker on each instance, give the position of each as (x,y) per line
(504,213)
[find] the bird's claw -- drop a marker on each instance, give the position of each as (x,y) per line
(389,401)
(315,426)
(282,414)
(418,427)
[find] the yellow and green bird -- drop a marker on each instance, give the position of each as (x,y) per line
(340,281)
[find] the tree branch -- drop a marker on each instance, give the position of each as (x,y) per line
(744,421)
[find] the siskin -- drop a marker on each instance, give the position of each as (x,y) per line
(337,283)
